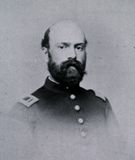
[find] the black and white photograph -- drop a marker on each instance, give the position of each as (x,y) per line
(67,73)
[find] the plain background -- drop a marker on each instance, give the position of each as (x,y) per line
(109,26)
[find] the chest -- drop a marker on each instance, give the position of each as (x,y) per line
(69,127)
(58,138)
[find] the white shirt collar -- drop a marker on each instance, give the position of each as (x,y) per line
(52,79)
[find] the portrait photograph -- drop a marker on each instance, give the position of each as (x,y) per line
(67,73)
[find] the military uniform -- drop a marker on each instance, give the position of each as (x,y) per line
(56,123)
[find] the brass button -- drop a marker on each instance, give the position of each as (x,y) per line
(77,107)
(72,96)
(80,120)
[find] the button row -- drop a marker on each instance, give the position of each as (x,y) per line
(80,119)
(77,108)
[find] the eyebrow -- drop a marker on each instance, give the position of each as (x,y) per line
(80,44)
(65,43)
(68,43)
(62,43)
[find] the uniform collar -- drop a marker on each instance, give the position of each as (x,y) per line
(56,87)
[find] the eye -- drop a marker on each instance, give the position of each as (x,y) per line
(62,46)
(80,48)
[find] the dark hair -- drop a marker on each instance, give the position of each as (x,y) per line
(85,41)
(45,40)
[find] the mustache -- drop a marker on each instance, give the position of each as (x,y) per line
(73,62)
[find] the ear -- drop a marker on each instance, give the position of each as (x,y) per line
(45,50)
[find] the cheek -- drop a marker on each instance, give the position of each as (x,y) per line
(58,56)
(82,57)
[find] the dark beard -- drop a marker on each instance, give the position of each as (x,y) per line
(69,73)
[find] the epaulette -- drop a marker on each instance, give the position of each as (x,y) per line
(29,100)
(100,95)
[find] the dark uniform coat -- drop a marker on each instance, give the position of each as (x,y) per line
(56,123)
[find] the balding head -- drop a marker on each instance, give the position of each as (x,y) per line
(64,29)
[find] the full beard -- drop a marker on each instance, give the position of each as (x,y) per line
(69,73)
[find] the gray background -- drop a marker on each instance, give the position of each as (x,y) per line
(109,26)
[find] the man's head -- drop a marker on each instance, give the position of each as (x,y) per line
(66,48)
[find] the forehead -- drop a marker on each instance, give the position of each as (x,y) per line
(66,32)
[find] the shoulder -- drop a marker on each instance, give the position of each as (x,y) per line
(29,100)
(100,100)
(103,103)
(100,95)
(24,108)
(97,94)
(30,107)
(106,105)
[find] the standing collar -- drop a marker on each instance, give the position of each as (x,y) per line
(56,87)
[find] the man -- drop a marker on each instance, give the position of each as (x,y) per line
(62,120)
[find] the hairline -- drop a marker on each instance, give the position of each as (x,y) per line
(46,40)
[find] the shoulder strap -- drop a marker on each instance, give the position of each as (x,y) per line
(100,95)
(29,100)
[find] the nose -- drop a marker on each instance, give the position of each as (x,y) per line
(72,53)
